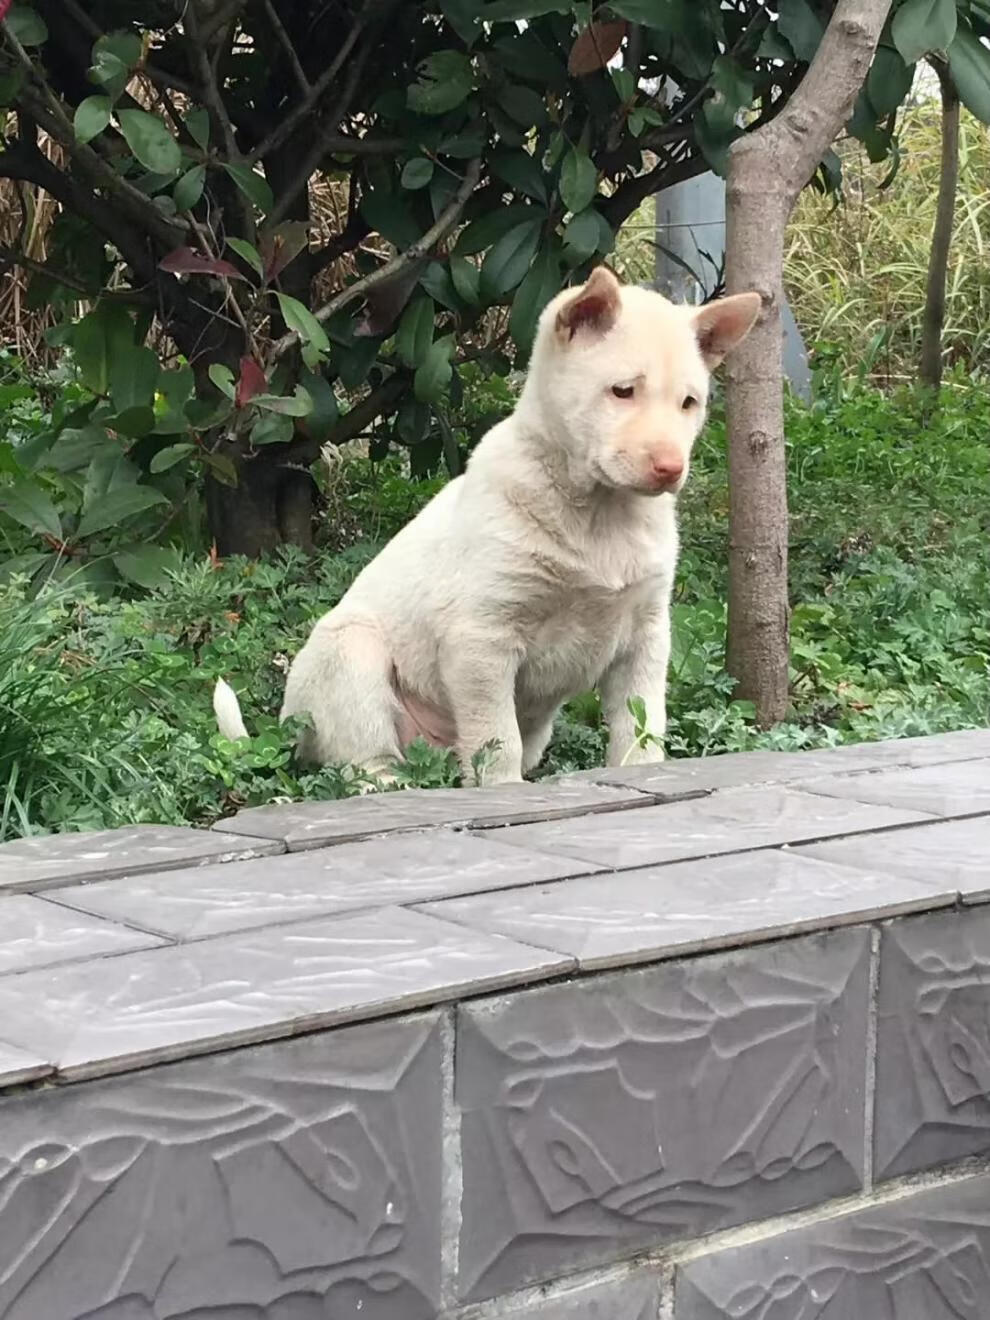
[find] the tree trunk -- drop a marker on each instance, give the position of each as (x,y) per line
(767,170)
(938,261)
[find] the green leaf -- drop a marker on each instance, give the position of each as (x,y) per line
(222,468)
(923,26)
(323,418)
(509,260)
(168,457)
(437,282)
(541,283)
(650,13)
(578,180)
(223,378)
(197,122)
(296,404)
(509,9)
(134,422)
(101,334)
(801,26)
(467,144)
(116,506)
(417,173)
(91,117)
(389,216)
(466,278)
(446,78)
(189,189)
(582,233)
(28,27)
(28,505)
(249,253)
(177,385)
(254,186)
(76,447)
(462,15)
(134,373)
(300,319)
(521,172)
(147,565)
(969,64)
(523,104)
(271,429)
(433,375)
(122,45)
(150,141)
(487,229)
(414,336)
(888,81)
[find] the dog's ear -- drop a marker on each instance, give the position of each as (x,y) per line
(594,307)
(721,325)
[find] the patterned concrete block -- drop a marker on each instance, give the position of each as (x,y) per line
(742,768)
(18,1066)
(287,1182)
(407,868)
(961,789)
(604,1116)
(687,907)
(732,821)
(933,1042)
(302,825)
(953,853)
(34,933)
(636,1297)
(68,859)
(112,1014)
(926,1257)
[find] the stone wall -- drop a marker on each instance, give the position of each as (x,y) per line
(751,1087)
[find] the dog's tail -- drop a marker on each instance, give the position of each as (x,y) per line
(227,709)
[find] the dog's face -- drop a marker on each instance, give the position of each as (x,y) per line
(625,374)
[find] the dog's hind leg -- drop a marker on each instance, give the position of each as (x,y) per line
(342,679)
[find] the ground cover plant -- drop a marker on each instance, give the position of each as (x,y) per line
(105,692)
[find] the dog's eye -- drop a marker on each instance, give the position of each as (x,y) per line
(623,391)
(689,403)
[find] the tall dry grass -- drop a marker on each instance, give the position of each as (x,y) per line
(855,273)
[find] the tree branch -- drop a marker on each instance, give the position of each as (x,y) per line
(47,109)
(445,221)
(296,116)
(11,259)
(286,43)
(353,422)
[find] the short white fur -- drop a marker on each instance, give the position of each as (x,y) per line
(542,571)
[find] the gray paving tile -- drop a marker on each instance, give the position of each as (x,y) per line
(961,789)
(933,1042)
(18,1066)
(616,1113)
(731,821)
(66,859)
(765,767)
(214,900)
(953,853)
(140,1008)
(926,1257)
(34,933)
(304,825)
(638,916)
(287,1182)
(636,1297)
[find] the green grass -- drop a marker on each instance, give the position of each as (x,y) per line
(105,704)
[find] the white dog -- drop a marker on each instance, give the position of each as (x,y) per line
(542,571)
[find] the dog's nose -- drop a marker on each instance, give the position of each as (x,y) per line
(666,470)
